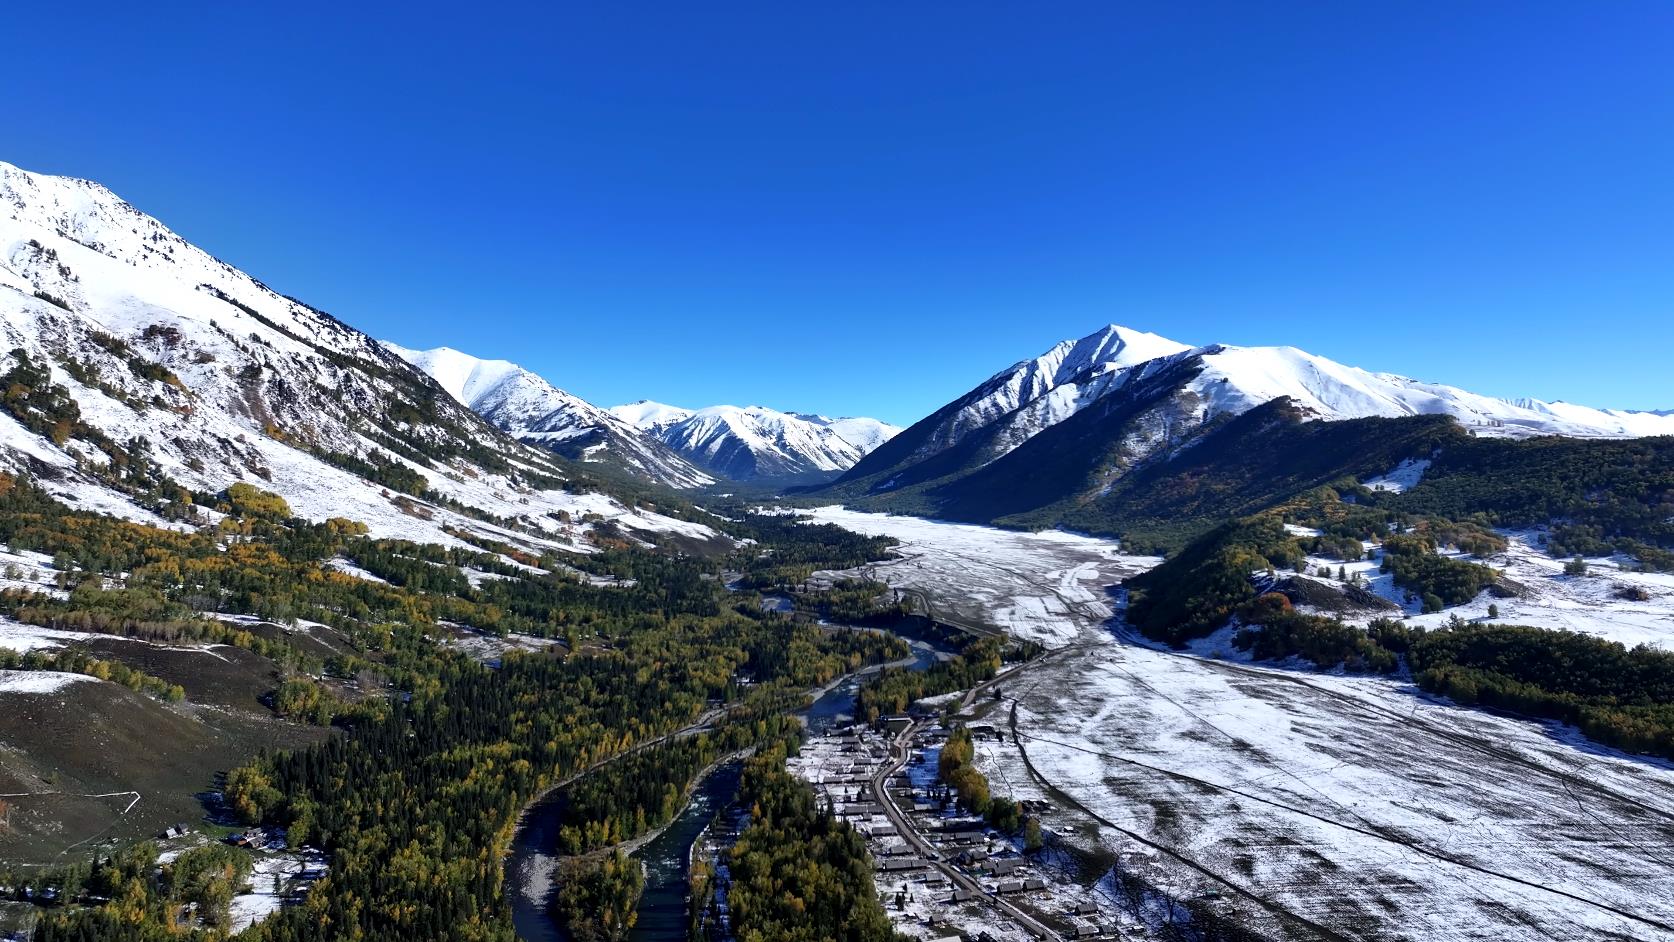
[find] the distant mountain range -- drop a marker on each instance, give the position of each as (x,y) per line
(682,448)
(534,411)
(755,442)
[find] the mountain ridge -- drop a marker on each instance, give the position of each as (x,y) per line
(528,407)
(984,455)
(145,376)
(756,442)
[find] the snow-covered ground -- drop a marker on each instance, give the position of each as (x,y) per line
(1294,801)
(16,636)
(1402,477)
(37,682)
(27,570)
(348,568)
(492,648)
(1351,802)
(477,577)
(1603,602)
(1597,603)
(273,877)
(1039,586)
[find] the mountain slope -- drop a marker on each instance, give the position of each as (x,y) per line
(1049,440)
(144,376)
(1014,403)
(532,410)
(755,442)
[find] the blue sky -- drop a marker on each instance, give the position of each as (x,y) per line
(866,208)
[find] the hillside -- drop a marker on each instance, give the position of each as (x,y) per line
(144,376)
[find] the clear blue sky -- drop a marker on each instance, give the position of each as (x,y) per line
(866,208)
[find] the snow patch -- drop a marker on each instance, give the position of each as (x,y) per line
(38,682)
(1402,477)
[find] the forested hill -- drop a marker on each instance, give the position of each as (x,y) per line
(457,683)
(1597,498)
(1278,578)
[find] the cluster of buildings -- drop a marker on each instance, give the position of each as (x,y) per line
(949,878)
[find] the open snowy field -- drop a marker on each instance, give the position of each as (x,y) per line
(1045,586)
(21,638)
(1603,602)
(1352,803)
(1611,601)
(1316,806)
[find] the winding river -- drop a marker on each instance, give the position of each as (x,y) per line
(662,909)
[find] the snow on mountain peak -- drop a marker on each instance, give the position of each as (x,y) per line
(1110,347)
(186,374)
(465,377)
(745,442)
(1032,394)
(528,407)
(1198,384)
(1235,379)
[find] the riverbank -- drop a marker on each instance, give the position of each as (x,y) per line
(633,845)
(531,863)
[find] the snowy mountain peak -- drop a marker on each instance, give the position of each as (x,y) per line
(465,377)
(154,370)
(527,407)
(1111,347)
(1236,379)
(747,442)
(1162,391)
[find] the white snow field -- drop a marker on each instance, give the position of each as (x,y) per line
(38,682)
(1355,804)
(1309,805)
(1038,586)
(274,876)
(1605,602)
(21,638)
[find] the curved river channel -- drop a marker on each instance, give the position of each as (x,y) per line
(662,909)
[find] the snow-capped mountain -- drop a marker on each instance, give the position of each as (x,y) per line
(144,374)
(1237,378)
(1164,391)
(530,409)
(755,442)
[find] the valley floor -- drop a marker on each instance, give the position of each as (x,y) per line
(1309,805)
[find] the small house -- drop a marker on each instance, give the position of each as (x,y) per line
(898,864)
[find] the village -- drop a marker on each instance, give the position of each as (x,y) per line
(943,875)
